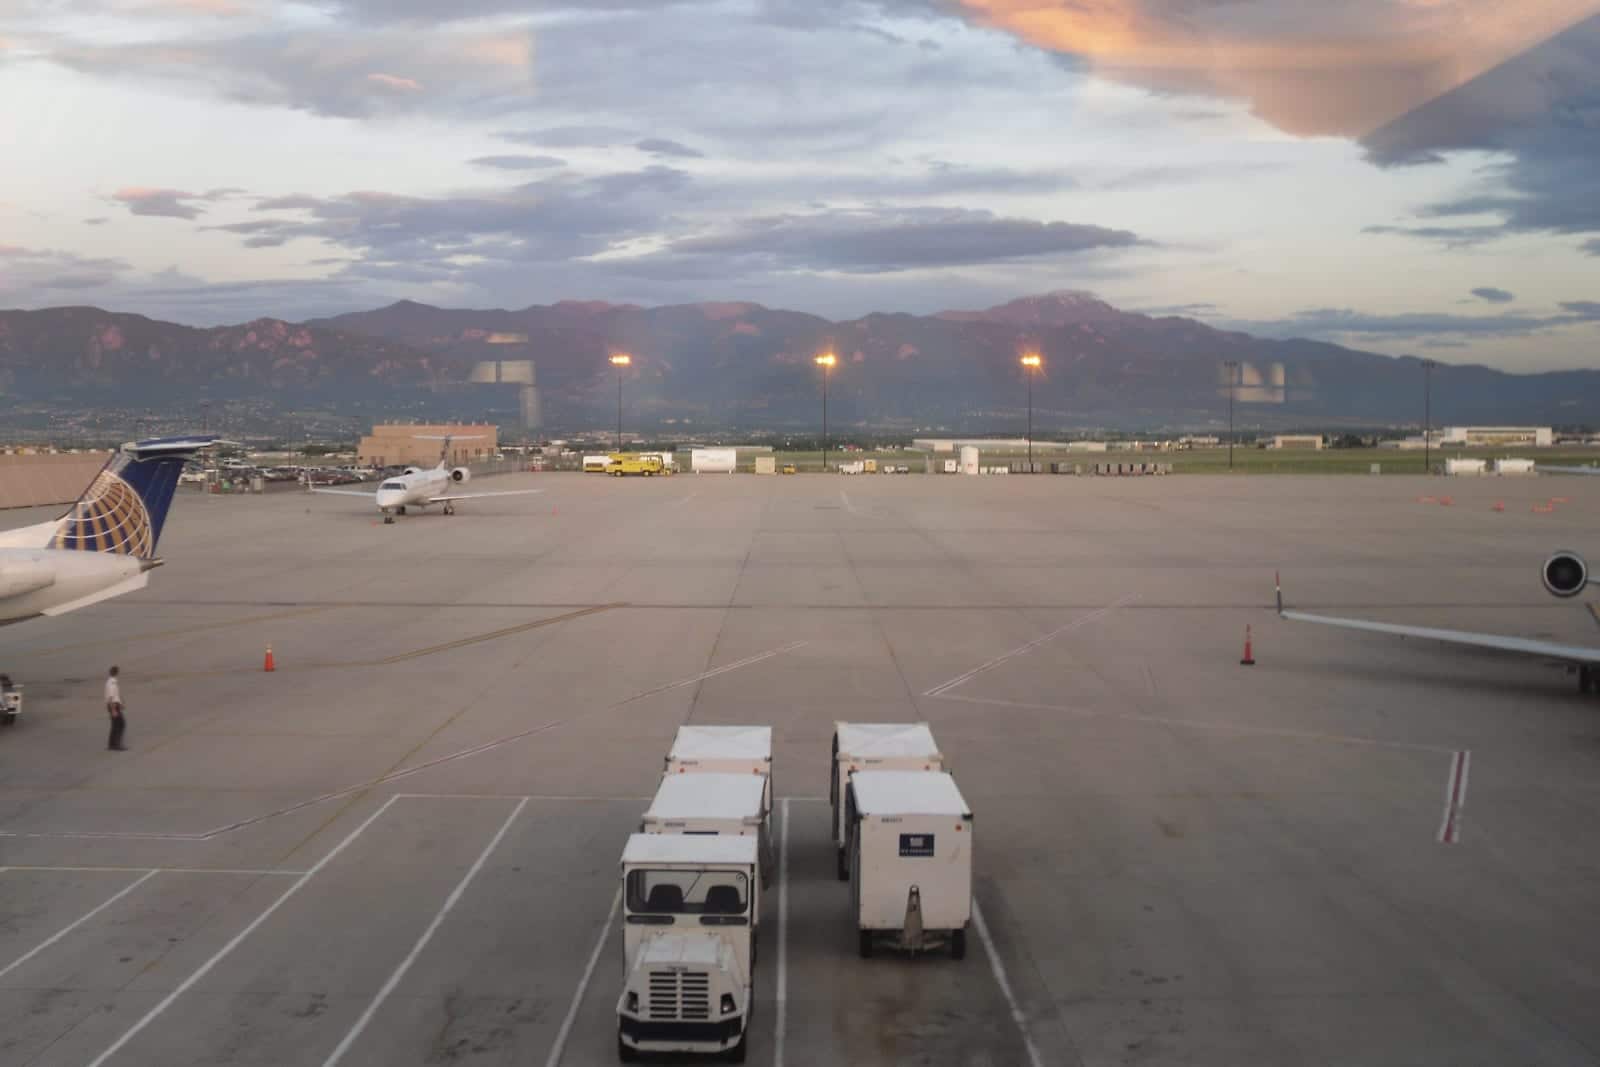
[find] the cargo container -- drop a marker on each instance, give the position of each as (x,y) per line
(969,459)
(766,465)
(731,804)
(874,746)
(713,460)
(723,750)
(910,850)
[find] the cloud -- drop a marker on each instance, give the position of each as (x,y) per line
(1449,236)
(1336,323)
(1538,115)
(570,136)
(340,71)
(1592,247)
(393,81)
(1492,295)
(872,241)
(660,146)
(517,162)
(31,275)
(164,203)
(1308,68)
(99,220)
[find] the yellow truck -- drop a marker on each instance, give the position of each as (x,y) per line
(621,463)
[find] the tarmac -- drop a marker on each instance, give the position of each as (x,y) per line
(401,846)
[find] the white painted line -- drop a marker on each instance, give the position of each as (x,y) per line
(405,772)
(747,661)
(163,870)
(560,1047)
(422,942)
(845,499)
(522,796)
(222,953)
(65,930)
(962,679)
(1455,798)
(1004,983)
(783,938)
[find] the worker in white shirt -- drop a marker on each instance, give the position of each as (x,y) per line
(119,722)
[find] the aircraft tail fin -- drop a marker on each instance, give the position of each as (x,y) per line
(124,508)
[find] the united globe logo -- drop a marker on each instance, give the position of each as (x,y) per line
(111,517)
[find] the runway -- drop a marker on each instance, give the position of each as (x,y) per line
(401,846)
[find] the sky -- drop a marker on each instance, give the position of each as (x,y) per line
(1403,176)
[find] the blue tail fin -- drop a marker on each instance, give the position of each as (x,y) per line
(124,508)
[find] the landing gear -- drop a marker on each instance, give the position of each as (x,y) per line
(388,518)
(449,509)
(864,947)
(401,510)
(1588,681)
(958,944)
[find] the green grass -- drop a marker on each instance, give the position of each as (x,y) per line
(1247,459)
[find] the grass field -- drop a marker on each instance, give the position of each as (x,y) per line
(1246,459)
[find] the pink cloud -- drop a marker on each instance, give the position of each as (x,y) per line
(1309,68)
(392,81)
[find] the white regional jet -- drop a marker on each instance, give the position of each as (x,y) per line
(418,487)
(105,545)
(1565,575)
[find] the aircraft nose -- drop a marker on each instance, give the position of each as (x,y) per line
(388,498)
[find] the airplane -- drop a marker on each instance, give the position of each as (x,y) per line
(105,545)
(1565,575)
(418,487)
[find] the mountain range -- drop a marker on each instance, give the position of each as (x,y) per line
(717,365)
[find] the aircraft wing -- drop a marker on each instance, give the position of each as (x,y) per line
(1501,643)
(365,494)
(479,496)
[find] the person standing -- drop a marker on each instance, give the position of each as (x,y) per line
(119,722)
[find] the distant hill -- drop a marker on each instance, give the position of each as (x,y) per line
(740,364)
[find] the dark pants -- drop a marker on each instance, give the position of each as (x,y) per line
(119,723)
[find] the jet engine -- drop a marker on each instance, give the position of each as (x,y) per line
(460,474)
(1565,574)
(413,470)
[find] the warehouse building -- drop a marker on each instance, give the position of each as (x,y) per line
(1297,440)
(417,445)
(1500,436)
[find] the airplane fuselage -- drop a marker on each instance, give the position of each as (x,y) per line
(416,488)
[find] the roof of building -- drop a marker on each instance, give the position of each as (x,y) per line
(886,740)
(688,849)
(907,793)
(709,796)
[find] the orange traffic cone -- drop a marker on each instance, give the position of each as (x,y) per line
(1499,505)
(1249,659)
(269,665)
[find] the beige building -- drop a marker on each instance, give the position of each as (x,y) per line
(1297,440)
(34,479)
(411,444)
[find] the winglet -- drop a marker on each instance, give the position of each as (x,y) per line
(1277,582)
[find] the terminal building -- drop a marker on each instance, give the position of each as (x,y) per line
(417,445)
(1499,436)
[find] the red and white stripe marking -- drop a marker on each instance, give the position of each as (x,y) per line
(1455,798)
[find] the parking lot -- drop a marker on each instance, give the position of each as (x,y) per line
(401,846)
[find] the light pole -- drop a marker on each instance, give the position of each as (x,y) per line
(620,360)
(1030,366)
(1232,366)
(826,361)
(1427,415)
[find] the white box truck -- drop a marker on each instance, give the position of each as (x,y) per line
(733,804)
(723,750)
(910,845)
(875,746)
(689,907)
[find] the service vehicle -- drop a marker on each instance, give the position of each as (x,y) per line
(875,746)
(869,466)
(690,903)
(712,803)
(854,467)
(596,464)
(789,468)
(910,852)
(619,464)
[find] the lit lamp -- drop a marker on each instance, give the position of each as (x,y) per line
(1031,362)
(826,361)
(620,360)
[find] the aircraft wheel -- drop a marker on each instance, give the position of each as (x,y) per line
(1586,680)
(388,520)
(958,944)
(401,510)
(865,945)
